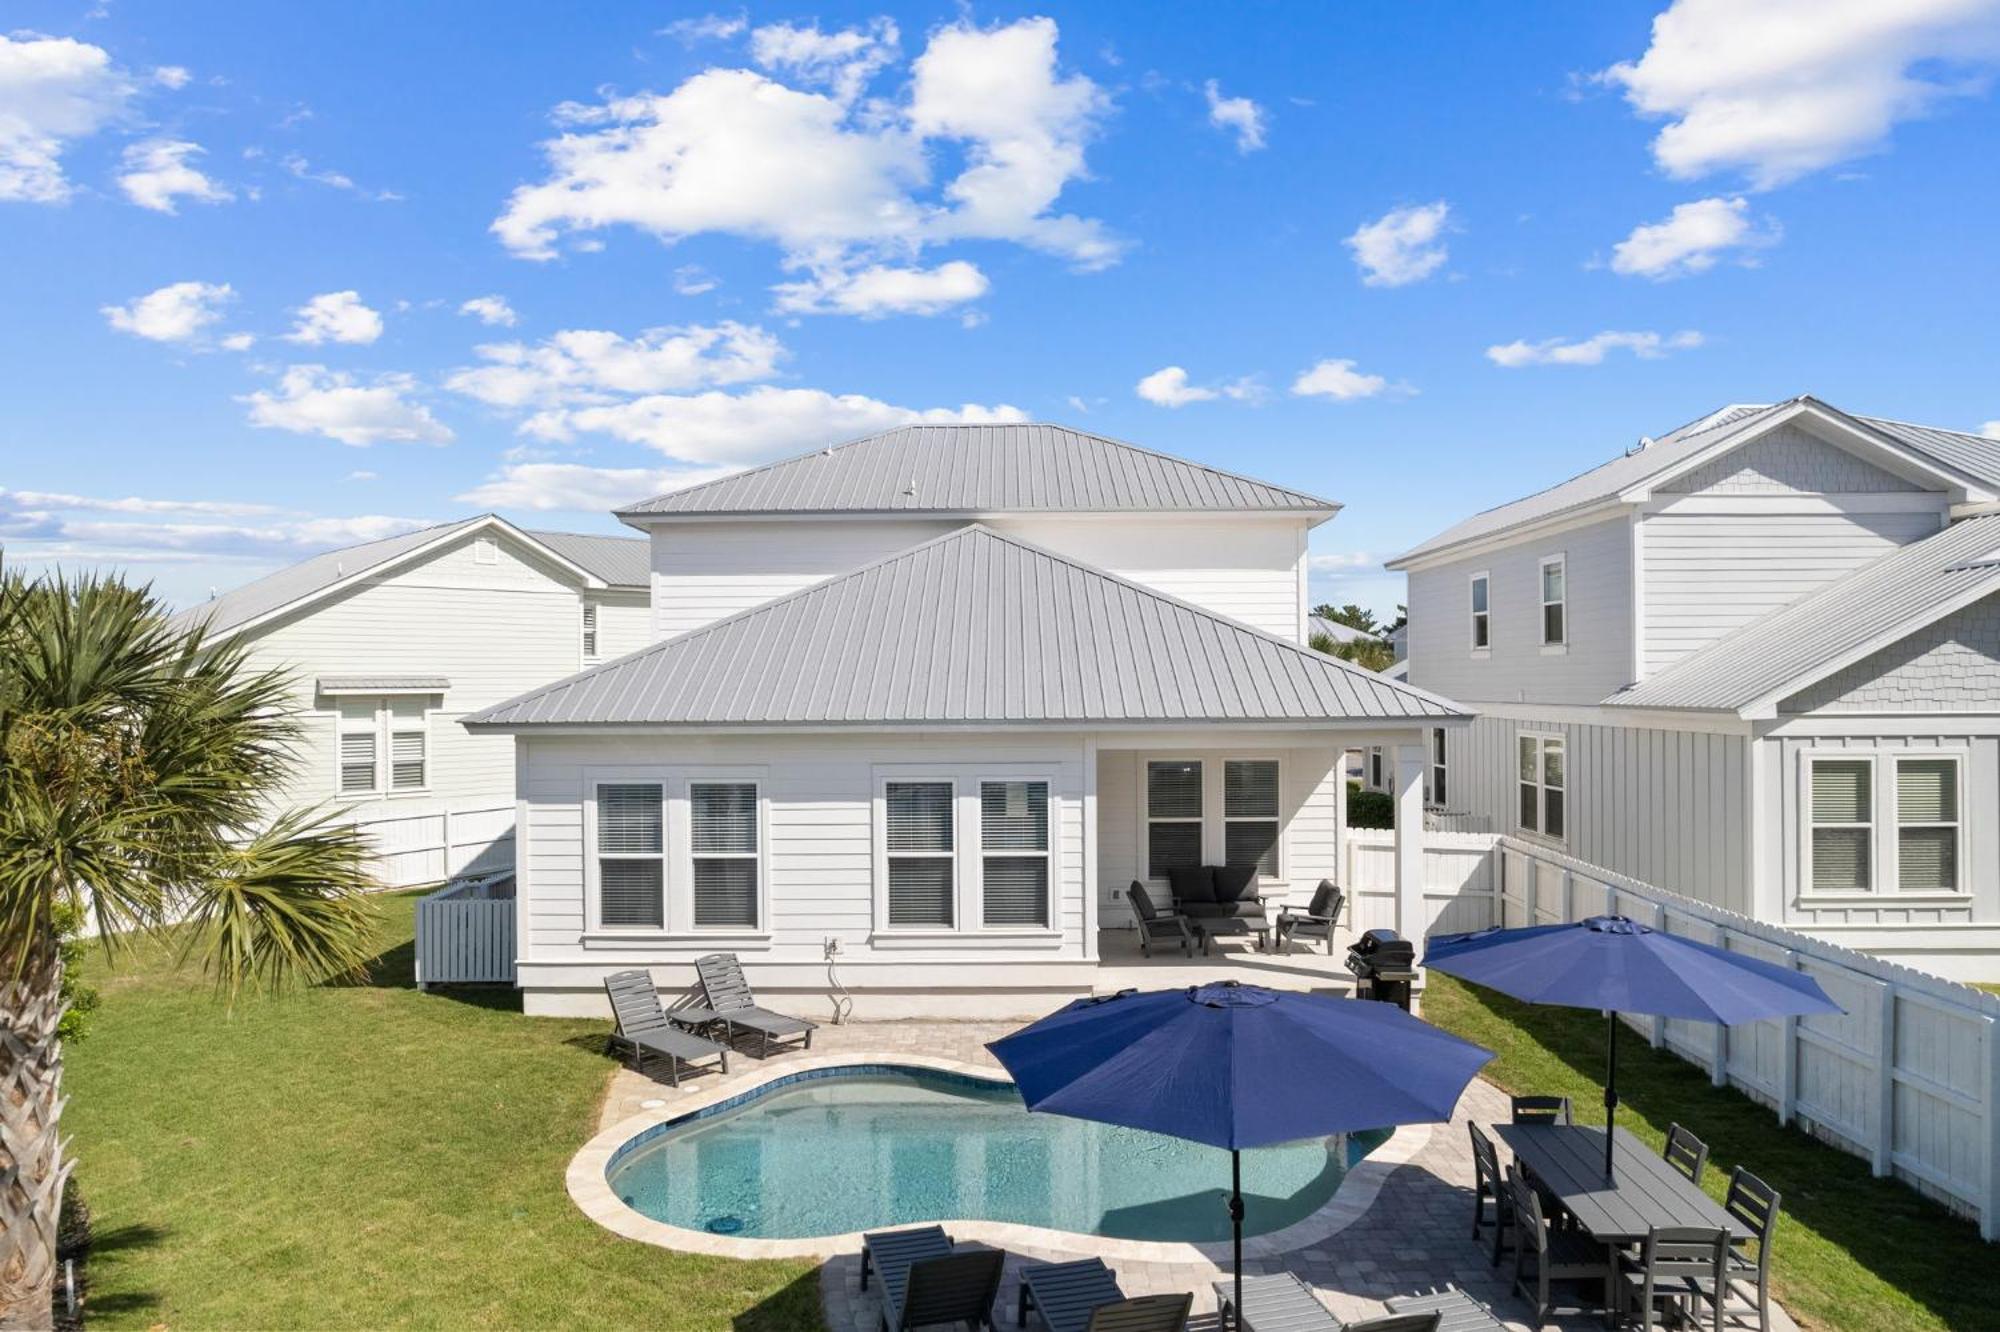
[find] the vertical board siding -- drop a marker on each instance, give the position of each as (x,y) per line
(465,934)
(1905,1077)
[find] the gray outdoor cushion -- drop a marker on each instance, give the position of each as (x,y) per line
(1233,883)
(1192,885)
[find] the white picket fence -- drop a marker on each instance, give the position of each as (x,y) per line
(1907,1078)
(429,847)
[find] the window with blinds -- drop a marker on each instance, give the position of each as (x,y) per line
(1173,815)
(631,855)
(1842,818)
(1014,853)
(1250,814)
(920,850)
(1926,825)
(722,819)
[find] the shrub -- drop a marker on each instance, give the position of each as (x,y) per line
(1370,809)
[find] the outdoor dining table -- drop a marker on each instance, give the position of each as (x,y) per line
(1645,1191)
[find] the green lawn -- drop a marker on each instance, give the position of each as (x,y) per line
(363,1157)
(1853,1252)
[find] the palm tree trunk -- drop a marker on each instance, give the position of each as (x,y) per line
(33,1165)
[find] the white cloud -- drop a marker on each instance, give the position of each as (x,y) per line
(1339,380)
(1238,115)
(15,500)
(1691,239)
(53,91)
(705,28)
(833,184)
(1344,562)
(159,171)
(581,366)
(1990,430)
(172,77)
(881,289)
(178,312)
(313,400)
(362,475)
(539,485)
(1592,350)
(741,428)
(842,61)
(1169,387)
(693,280)
(1402,246)
(493,311)
(335,316)
(1784,87)
(239,342)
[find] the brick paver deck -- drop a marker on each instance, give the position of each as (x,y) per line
(1415,1237)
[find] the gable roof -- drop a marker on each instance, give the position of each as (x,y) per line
(980,470)
(1750,670)
(320,575)
(1338,632)
(1938,450)
(621,561)
(970,628)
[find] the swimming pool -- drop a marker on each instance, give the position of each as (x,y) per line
(832,1151)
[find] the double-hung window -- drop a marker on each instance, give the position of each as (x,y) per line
(384,744)
(1250,814)
(1376,781)
(1436,795)
(722,826)
(1014,853)
(921,851)
(631,855)
(1543,784)
(589,631)
(1482,626)
(1927,825)
(1173,815)
(1555,602)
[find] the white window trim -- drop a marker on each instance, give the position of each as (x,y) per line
(1222,807)
(590,632)
(1214,835)
(385,726)
(1551,647)
(1542,740)
(1884,846)
(1050,903)
(1437,764)
(677,916)
(1473,617)
(969,926)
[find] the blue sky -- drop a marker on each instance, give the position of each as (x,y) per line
(283,277)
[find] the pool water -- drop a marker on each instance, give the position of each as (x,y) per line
(864,1149)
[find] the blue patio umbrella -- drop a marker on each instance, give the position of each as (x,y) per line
(1620,966)
(1238,1066)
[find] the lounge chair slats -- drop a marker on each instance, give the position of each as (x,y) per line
(886,1249)
(1279,1302)
(956,1288)
(731,1003)
(643,1027)
(1456,1311)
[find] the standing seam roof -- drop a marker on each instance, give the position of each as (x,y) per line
(971,627)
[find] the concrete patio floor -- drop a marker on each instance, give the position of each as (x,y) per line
(1414,1237)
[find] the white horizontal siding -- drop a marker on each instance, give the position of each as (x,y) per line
(1706,574)
(624,623)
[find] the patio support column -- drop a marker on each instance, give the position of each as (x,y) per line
(1409,794)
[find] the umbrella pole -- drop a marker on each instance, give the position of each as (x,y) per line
(1236,1224)
(1610,1089)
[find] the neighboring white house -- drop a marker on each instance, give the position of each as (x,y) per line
(932,699)
(1755,661)
(391,642)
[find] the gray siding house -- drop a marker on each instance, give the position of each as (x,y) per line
(1755,661)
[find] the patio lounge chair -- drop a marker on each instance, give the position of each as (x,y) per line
(731,1005)
(1280,1302)
(925,1283)
(644,1029)
(1318,921)
(1154,924)
(1083,1296)
(1456,1311)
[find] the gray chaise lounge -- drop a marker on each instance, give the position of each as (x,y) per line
(1280,1302)
(925,1283)
(643,1027)
(1083,1296)
(730,1005)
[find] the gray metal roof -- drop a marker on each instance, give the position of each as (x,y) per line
(972,627)
(1338,632)
(981,469)
(621,561)
(1790,648)
(1971,455)
(383,684)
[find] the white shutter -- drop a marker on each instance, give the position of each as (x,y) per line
(357,761)
(406,760)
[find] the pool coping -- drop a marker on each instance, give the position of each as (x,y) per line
(590,1188)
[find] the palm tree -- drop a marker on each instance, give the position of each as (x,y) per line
(135,762)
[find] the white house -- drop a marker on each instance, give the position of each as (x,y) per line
(389,643)
(1755,661)
(933,699)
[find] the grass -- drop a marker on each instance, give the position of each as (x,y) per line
(363,1156)
(1853,1252)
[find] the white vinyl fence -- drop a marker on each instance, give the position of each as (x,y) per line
(1907,1078)
(430,847)
(1459,881)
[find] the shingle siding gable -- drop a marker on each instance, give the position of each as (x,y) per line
(1788,461)
(1952,665)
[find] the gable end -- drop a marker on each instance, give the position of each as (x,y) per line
(1788,460)
(1950,665)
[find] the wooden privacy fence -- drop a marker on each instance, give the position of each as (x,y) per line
(1907,1078)
(465,932)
